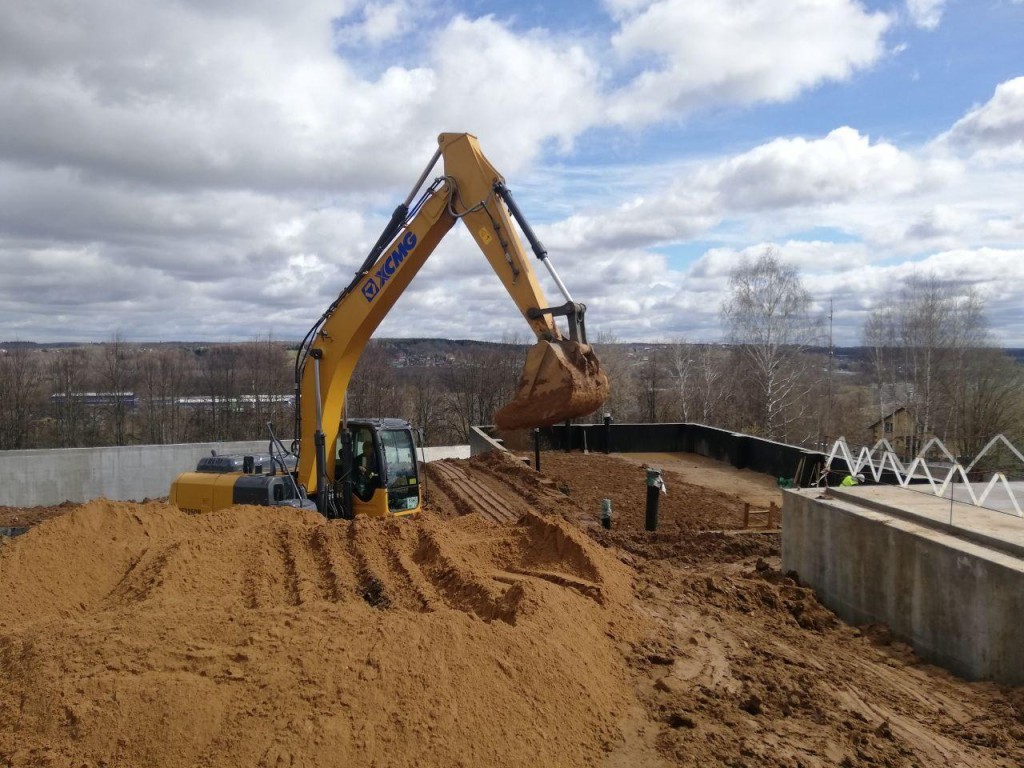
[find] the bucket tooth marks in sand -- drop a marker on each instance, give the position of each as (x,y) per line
(477,497)
(336,571)
(371,579)
(462,586)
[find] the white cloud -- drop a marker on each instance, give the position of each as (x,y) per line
(217,170)
(381,23)
(772,186)
(926,14)
(787,172)
(994,131)
(737,52)
(513,91)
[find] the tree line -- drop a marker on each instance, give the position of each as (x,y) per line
(928,353)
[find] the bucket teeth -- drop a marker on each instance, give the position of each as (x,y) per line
(561,380)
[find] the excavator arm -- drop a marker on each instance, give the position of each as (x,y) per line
(562,377)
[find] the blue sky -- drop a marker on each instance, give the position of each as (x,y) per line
(216,170)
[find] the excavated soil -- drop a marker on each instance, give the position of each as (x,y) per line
(26,517)
(504,627)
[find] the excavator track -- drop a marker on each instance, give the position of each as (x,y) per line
(476,496)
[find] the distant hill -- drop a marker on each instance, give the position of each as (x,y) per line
(848,357)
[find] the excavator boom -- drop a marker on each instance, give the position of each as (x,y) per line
(562,378)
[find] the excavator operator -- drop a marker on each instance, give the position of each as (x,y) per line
(367,472)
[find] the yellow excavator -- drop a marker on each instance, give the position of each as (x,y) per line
(347,466)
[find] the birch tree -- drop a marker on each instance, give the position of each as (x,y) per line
(767,317)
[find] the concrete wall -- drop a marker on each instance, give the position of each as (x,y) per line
(481,442)
(45,477)
(958,603)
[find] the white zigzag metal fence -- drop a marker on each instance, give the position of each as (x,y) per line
(881,457)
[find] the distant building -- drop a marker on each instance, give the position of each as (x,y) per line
(900,428)
(97,399)
(131,400)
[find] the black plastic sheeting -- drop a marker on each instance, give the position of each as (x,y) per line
(11,532)
(741,451)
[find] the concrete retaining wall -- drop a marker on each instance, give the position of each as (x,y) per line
(481,442)
(131,473)
(958,603)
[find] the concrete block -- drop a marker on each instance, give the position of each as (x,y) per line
(957,602)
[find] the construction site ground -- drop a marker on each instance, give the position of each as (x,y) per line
(502,627)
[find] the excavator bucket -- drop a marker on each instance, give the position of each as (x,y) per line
(561,380)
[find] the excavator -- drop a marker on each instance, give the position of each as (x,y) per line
(346,466)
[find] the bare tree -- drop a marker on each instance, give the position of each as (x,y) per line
(423,403)
(373,390)
(117,374)
(477,385)
(984,399)
(163,378)
(267,375)
(220,380)
(880,337)
(625,397)
(19,396)
(68,371)
(932,355)
(653,381)
(698,375)
(768,317)
(708,392)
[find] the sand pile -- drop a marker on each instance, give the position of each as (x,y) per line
(131,635)
(135,635)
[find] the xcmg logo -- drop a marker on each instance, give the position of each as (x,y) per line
(373,285)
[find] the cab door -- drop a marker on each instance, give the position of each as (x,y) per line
(369,494)
(401,475)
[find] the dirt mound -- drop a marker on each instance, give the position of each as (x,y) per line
(135,635)
(24,517)
(741,664)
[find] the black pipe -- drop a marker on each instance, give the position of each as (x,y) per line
(607,433)
(567,444)
(392,229)
(536,449)
(654,484)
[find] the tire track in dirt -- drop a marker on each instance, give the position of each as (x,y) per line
(472,495)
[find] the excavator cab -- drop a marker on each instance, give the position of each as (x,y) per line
(384,472)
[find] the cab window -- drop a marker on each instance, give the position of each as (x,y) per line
(400,460)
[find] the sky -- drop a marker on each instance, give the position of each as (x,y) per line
(217,170)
